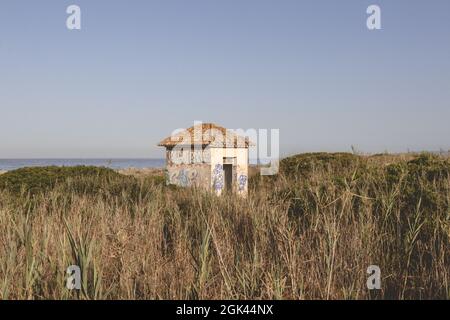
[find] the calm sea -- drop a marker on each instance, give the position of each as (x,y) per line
(12,164)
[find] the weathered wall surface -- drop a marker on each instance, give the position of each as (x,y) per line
(188,156)
(189,175)
(188,167)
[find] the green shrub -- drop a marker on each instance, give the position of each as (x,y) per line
(40,179)
(425,178)
(307,163)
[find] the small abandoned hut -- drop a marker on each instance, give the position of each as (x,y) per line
(208,156)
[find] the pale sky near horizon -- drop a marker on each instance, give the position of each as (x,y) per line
(137,70)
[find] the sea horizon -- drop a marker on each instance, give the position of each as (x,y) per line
(9,164)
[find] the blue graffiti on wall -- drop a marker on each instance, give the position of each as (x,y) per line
(218,177)
(242,182)
(184,177)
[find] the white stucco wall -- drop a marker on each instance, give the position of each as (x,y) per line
(240,156)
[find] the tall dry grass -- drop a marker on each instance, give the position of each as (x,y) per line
(309,233)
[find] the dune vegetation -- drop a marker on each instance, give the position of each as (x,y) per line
(308,233)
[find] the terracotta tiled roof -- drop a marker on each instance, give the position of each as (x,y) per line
(207,134)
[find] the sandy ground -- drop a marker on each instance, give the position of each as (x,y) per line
(132,171)
(142,172)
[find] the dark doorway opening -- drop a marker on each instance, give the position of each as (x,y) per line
(228,175)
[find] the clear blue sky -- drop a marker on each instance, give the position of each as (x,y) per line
(139,69)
